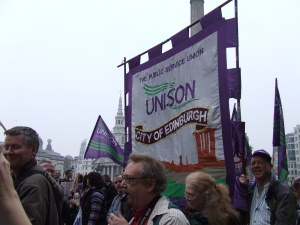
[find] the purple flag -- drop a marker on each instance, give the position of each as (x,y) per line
(103,144)
(239,144)
(279,136)
(234,83)
(238,134)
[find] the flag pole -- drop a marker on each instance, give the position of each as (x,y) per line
(237,55)
(3,127)
(125,104)
(237,65)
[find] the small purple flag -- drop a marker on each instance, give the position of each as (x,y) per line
(238,134)
(279,136)
(103,144)
(234,83)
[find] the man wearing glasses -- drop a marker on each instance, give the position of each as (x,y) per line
(143,182)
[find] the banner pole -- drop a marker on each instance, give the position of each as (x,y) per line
(237,64)
(237,55)
(125,104)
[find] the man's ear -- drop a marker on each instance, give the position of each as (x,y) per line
(34,151)
(151,182)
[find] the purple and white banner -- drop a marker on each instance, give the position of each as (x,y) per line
(178,102)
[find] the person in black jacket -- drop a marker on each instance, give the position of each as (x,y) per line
(110,191)
(272,202)
(92,201)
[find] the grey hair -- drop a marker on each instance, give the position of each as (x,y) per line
(152,169)
(31,136)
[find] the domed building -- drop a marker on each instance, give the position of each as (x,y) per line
(50,155)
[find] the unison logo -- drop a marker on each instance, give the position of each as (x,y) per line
(168,95)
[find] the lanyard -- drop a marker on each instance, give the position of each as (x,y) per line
(149,210)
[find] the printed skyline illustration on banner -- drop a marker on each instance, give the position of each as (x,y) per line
(178,103)
(103,144)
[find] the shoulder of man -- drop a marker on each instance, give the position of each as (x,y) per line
(39,179)
(278,189)
(167,213)
(34,191)
(33,177)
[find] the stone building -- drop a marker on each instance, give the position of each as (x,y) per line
(49,154)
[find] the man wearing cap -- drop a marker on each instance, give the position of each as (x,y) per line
(272,202)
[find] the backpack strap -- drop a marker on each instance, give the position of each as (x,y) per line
(157,218)
(44,173)
(22,177)
(197,219)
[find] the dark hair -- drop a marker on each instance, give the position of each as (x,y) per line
(296,184)
(68,171)
(106,178)
(95,180)
(84,183)
(79,178)
(152,169)
(31,136)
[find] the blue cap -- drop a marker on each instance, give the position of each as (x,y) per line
(263,153)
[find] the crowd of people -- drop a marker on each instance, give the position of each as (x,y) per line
(33,193)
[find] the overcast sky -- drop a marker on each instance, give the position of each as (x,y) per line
(58,61)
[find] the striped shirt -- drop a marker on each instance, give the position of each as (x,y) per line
(96,203)
(260,213)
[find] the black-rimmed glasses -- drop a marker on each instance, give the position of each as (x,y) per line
(129,180)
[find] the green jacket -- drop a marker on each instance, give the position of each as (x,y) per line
(37,197)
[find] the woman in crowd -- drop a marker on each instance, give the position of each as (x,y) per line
(78,184)
(92,201)
(75,196)
(11,209)
(209,203)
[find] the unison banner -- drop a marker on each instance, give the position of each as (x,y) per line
(178,105)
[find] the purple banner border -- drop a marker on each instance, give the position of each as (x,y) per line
(220,28)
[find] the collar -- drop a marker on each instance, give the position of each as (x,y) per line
(26,167)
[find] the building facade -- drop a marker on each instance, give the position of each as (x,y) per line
(293,154)
(50,155)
